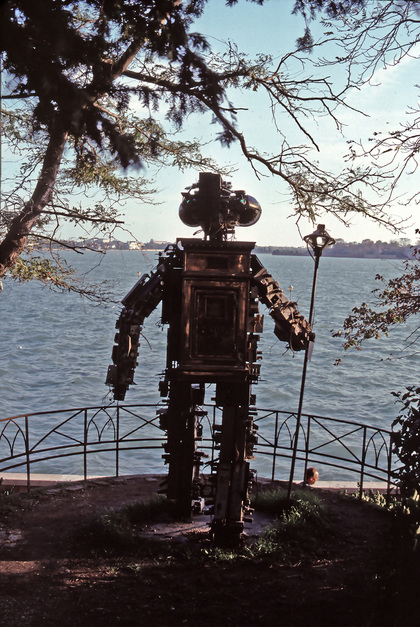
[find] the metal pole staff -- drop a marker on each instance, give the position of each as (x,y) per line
(318,241)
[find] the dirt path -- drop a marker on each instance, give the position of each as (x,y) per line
(48,576)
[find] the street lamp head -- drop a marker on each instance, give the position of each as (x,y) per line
(319,240)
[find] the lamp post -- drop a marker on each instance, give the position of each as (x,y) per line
(318,241)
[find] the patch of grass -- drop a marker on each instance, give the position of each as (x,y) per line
(218,555)
(294,534)
(394,587)
(276,502)
(270,501)
(119,528)
(9,500)
(406,512)
(297,527)
(376,499)
(143,512)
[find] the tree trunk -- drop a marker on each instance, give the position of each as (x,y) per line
(17,236)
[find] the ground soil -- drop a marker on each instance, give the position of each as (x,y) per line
(52,574)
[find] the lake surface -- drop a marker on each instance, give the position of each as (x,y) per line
(55,348)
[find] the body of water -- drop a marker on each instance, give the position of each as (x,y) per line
(55,348)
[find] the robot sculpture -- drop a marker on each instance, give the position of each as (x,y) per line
(209,290)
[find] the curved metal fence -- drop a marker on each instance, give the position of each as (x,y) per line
(120,440)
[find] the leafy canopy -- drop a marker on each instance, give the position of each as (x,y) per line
(96,87)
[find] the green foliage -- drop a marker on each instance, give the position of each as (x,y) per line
(293,534)
(397,301)
(111,84)
(118,528)
(144,511)
(406,441)
(405,509)
(57,275)
(377,499)
(9,500)
(72,125)
(273,501)
(220,555)
(332,8)
(77,62)
(12,500)
(297,528)
(86,51)
(406,445)
(43,270)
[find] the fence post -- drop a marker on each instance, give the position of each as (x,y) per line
(85,445)
(388,483)
(276,437)
(28,463)
(308,433)
(362,466)
(117,445)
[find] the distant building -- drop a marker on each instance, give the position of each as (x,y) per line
(135,245)
(155,245)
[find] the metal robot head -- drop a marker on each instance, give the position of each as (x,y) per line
(212,205)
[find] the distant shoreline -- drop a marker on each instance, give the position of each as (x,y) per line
(367,249)
(300,252)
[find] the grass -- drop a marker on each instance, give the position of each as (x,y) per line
(292,535)
(9,501)
(396,583)
(119,528)
(406,512)
(191,577)
(297,525)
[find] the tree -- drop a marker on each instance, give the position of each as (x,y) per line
(73,71)
(73,122)
(374,35)
(397,301)
(406,442)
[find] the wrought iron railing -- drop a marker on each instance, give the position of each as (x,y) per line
(365,452)
(126,439)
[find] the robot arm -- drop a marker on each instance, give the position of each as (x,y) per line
(290,325)
(139,303)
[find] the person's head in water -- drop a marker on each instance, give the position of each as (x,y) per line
(311,475)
